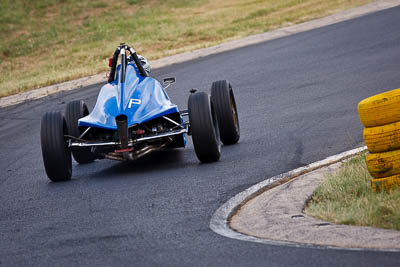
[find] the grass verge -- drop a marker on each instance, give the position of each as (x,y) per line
(346,198)
(43,42)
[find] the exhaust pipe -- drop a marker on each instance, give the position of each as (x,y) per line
(122,126)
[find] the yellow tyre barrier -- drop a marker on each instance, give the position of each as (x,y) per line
(383,164)
(382,138)
(386,183)
(380,109)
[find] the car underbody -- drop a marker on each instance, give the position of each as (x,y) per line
(163,132)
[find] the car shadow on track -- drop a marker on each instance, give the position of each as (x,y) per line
(162,160)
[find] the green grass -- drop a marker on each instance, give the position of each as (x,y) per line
(346,198)
(44,42)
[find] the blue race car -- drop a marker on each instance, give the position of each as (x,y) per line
(134,116)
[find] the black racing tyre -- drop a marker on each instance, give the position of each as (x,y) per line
(73,112)
(225,107)
(56,156)
(204,128)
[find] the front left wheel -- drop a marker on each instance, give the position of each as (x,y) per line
(56,156)
(74,111)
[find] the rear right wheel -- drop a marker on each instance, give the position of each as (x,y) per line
(204,128)
(56,156)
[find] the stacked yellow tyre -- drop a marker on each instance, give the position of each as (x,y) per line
(380,114)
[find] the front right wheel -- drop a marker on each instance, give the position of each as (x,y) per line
(204,128)
(225,107)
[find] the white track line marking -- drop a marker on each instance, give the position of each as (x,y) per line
(220,220)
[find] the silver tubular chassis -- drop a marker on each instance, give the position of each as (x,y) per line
(75,142)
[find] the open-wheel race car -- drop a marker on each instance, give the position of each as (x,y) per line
(134,116)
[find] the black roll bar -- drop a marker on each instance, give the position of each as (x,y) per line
(135,58)
(114,64)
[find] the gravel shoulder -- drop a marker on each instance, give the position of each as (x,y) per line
(277,215)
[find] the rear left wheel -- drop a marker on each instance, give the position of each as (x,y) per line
(56,156)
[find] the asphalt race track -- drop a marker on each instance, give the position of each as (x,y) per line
(297,99)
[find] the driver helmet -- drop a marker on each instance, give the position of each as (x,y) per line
(145,63)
